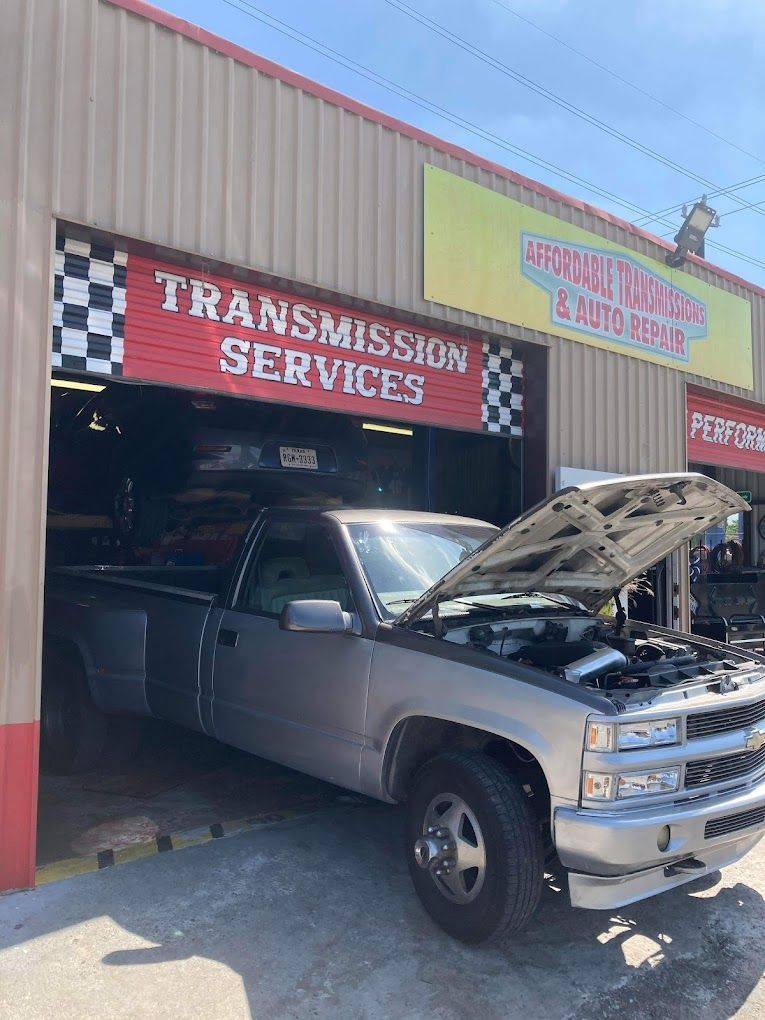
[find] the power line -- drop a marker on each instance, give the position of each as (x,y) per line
(323,49)
(363,71)
(381,81)
(626,81)
(644,221)
(732,212)
(553,97)
(721,192)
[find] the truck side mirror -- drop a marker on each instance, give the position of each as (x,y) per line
(315,616)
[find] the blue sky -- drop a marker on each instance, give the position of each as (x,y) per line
(703,58)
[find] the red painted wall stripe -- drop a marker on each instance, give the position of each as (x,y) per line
(19,768)
(274,70)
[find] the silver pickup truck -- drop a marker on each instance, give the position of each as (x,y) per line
(458,668)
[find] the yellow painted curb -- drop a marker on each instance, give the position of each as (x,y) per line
(161,844)
(65,869)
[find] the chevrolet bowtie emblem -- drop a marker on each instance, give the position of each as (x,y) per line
(755,740)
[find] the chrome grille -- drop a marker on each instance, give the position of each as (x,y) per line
(732,823)
(706,724)
(729,766)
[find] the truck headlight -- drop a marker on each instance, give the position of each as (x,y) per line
(637,784)
(608,736)
(605,786)
(655,733)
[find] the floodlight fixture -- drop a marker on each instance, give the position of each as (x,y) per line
(690,237)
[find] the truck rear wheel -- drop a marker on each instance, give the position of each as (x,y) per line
(474,847)
(140,519)
(72,729)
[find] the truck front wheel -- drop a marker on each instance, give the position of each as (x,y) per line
(474,847)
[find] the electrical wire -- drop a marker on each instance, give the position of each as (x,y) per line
(732,212)
(323,49)
(644,221)
(250,10)
(554,98)
(720,193)
(626,81)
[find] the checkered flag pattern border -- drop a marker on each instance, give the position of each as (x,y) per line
(89,306)
(501,390)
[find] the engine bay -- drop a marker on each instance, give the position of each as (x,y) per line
(595,651)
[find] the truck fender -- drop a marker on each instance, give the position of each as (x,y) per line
(112,647)
(416,737)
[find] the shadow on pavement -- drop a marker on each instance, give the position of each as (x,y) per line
(318,918)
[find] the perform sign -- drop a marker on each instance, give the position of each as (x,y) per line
(724,431)
(491,255)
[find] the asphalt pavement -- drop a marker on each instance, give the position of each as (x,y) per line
(315,917)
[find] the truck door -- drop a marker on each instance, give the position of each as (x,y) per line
(295,698)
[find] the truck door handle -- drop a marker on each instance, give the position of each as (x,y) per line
(228,637)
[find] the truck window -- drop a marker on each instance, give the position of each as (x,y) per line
(296,560)
(402,560)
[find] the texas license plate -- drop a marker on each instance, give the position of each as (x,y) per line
(298,457)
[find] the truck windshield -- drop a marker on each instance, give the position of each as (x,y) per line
(402,560)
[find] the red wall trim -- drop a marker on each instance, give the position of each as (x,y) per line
(273,70)
(743,402)
(19,753)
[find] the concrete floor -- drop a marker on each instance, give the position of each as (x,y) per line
(180,780)
(316,918)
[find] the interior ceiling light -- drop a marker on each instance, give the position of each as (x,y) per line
(372,426)
(690,237)
(69,384)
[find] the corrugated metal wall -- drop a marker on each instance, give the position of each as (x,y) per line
(112,121)
(157,137)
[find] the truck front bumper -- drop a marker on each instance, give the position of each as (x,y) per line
(614,859)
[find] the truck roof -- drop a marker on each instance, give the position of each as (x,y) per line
(351,515)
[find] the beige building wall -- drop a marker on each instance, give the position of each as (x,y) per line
(112,121)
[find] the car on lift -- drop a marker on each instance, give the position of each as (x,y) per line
(461,669)
(150,456)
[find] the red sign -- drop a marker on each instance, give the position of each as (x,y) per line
(723,431)
(218,333)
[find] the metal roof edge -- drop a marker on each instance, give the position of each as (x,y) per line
(329,95)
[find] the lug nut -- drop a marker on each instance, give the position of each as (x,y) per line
(431,830)
(442,833)
(449,863)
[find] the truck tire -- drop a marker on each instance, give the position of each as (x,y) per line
(72,729)
(140,519)
(473,846)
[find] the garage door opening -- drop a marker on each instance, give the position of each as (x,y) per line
(162,484)
(183,402)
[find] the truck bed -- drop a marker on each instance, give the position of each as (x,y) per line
(184,581)
(140,632)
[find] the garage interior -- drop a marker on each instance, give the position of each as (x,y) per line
(155,780)
(727,566)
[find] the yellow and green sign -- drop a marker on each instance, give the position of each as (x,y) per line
(491,255)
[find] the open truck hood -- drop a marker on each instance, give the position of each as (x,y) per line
(587,541)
